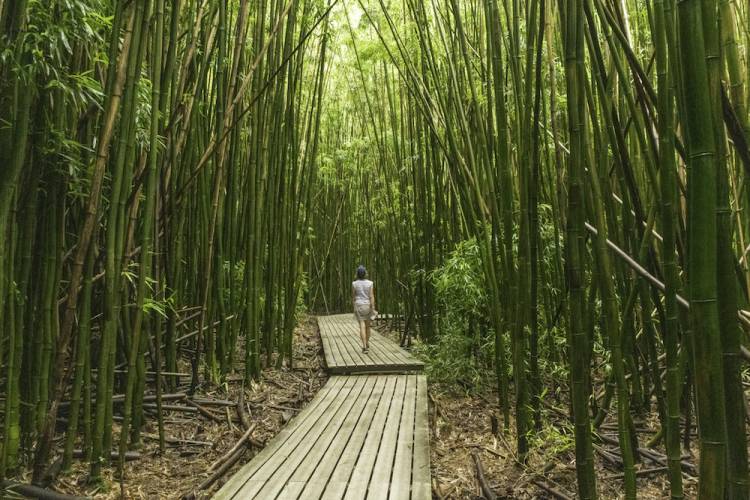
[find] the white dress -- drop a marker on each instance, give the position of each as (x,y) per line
(362,307)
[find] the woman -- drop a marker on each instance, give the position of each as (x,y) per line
(363,301)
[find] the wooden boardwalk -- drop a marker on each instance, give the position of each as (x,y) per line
(343,350)
(362,436)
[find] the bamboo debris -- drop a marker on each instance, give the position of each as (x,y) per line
(485,487)
(240,442)
(29,490)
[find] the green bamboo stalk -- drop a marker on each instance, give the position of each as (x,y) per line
(572,27)
(702,259)
(736,444)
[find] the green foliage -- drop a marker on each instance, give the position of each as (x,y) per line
(459,283)
(303,287)
(465,343)
(554,439)
(445,364)
(53,35)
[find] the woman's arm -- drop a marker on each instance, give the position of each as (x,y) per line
(354,295)
(372,297)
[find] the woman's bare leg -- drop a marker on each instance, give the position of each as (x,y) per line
(367,334)
(363,334)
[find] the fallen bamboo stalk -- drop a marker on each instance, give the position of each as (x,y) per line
(241,409)
(486,489)
(240,442)
(654,456)
(177,441)
(203,411)
(222,469)
(164,374)
(114,455)
(608,456)
(119,398)
(555,492)
(279,407)
(640,472)
(484,448)
(152,397)
(186,409)
(29,490)
(213,402)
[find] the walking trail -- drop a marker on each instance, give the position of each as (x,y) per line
(364,435)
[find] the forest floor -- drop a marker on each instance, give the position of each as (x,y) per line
(179,471)
(462,427)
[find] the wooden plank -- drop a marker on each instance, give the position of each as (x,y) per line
(337,431)
(348,344)
(287,436)
(378,402)
(381,473)
(314,474)
(388,353)
(360,445)
(385,354)
(322,324)
(379,354)
(344,344)
(360,477)
(399,354)
(323,397)
(335,358)
(284,464)
(401,479)
(420,476)
(393,350)
(328,351)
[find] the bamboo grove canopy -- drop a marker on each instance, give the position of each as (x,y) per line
(180,179)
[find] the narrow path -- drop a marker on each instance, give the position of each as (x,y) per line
(362,436)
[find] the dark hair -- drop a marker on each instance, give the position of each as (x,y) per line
(361,272)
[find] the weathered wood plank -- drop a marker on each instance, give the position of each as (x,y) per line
(401,481)
(353,342)
(345,357)
(381,473)
(335,358)
(349,340)
(420,476)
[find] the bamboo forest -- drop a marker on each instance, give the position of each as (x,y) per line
(551,198)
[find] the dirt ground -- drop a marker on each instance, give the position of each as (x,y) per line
(462,427)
